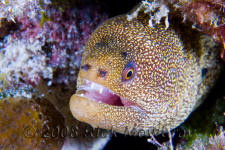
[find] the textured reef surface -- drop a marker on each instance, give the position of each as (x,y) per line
(19,120)
(40,47)
(41,43)
(46,44)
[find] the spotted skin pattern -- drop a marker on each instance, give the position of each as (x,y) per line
(167,85)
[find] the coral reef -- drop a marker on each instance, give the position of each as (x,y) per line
(46,45)
(23,61)
(213,142)
(25,124)
(207,15)
(10,9)
(217,141)
(157,10)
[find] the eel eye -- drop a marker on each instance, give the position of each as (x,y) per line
(128,72)
(102,73)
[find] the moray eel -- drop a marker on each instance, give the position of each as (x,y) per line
(134,77)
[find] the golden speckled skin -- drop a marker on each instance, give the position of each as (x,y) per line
(166,88)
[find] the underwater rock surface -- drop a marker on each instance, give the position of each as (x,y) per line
(25,124)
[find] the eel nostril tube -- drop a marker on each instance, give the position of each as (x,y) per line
(85,67)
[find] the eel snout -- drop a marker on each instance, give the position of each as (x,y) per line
(100,107)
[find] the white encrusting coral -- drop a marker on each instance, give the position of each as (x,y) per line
(156,10)
(10,9)
(23,59)
(217,141)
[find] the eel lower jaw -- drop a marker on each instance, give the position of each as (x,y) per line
(100,107)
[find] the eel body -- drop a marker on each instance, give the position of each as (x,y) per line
(134,77)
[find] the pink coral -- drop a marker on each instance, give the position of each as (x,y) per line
(207,15)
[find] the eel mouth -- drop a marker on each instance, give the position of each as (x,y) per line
(100,107)
(101,94)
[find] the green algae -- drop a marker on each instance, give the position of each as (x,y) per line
(2,80)
(44,18)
